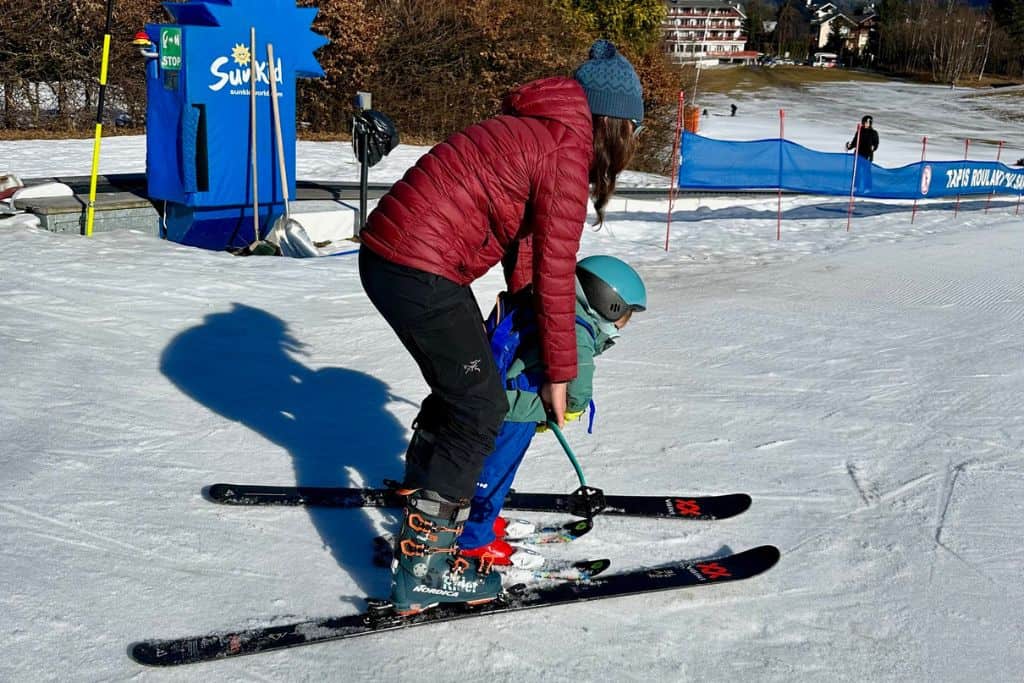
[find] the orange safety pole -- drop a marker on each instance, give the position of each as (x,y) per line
(956,209)
(674,187)
(999,153)
(782,137)
(924,145)
(853,178)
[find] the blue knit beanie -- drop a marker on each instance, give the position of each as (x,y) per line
(611,84)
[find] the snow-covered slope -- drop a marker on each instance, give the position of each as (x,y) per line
(863,386)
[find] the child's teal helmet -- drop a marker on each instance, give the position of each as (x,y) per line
(611,285)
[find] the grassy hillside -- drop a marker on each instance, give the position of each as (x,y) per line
(726,79)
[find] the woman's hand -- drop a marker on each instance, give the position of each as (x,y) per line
(553,396)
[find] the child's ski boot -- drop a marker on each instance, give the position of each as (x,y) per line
(501,554)
(512,529)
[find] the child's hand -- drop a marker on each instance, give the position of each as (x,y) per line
(569,417)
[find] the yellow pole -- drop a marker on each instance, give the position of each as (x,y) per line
(91,211)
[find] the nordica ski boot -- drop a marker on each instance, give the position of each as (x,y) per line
(428,569)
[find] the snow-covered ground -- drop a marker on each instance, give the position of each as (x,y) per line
(863,386)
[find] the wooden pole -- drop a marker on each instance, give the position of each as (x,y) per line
(674,180)
(253,138)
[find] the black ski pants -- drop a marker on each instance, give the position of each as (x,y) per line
(439,323)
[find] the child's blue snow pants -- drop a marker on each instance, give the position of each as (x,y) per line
(495,481)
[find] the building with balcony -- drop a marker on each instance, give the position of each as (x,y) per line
(853,29)
(705,31)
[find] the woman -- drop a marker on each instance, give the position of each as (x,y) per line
(512,189)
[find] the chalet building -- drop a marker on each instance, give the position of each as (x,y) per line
(705,31)
(853,29)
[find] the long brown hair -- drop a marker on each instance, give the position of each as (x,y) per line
(614,146)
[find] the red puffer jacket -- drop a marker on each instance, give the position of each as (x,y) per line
(513,186)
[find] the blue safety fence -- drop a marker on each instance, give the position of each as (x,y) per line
(777,163)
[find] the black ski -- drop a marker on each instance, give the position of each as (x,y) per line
(584,502)
(380,617)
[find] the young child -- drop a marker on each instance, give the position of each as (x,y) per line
(608,292)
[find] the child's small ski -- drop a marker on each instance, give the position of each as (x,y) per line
(554,533)
(554,570)
(583,502)
(381,617)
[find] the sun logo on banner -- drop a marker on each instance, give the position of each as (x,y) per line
(240,53)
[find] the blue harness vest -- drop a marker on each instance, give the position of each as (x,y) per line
(512,322)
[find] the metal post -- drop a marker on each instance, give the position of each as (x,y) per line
(364,178)
(363,101)
(853,179)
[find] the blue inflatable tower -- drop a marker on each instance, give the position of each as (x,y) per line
(198,114)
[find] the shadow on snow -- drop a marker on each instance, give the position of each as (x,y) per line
(334,422)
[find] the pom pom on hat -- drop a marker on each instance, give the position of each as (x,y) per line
(611,83)
(602,49)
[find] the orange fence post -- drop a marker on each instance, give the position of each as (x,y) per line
(691,119)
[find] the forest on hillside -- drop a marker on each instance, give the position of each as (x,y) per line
(435,66)
(945,41)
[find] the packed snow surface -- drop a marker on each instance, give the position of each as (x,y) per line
(864,386)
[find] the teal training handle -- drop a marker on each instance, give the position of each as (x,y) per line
(553,426)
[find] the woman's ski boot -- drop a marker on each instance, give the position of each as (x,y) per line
(428,569)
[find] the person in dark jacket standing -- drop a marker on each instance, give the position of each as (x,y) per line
(867,142)
(512,189)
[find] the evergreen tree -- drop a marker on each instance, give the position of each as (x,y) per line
(792,32)
(1009,17)
(753,26)
(1009,14)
